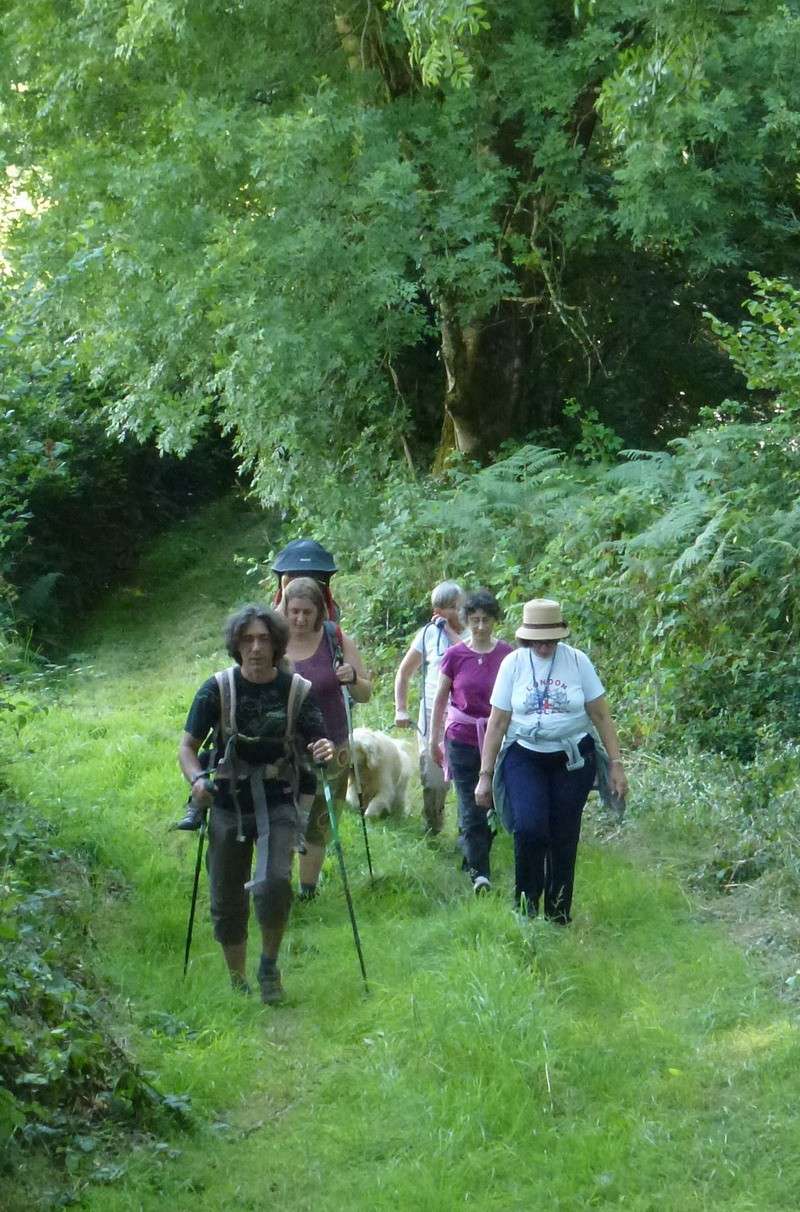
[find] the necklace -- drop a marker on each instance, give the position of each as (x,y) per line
(481,653)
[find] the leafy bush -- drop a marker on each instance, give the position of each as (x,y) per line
(65,1080)
(76,504)
(677,567)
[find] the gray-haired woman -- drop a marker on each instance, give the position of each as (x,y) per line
(545,703)
(425,654)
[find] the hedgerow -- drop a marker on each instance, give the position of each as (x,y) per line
(68,1087)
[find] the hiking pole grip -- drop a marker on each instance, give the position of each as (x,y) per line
(337,844)
(197,866)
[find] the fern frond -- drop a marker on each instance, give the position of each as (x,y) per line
(674,526)
(698,551)
(526,463)
(644,467)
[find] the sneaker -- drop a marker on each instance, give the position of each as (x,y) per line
(308,892)
(481,885)
(270,981)
(192,819)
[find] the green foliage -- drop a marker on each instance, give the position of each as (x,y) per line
(766,349)
(598,443)
(678,568)
(694,140)
(29,452)
(75,503)
(571,1065)
(730,825)
(65,1079)
(437,31)
(236,218)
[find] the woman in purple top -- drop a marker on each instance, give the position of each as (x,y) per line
(466,679)
(321,652)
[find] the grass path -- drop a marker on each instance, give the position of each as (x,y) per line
(637,1059)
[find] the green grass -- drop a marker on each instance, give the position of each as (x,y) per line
(638,1059)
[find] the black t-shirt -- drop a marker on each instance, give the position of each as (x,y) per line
(261,725)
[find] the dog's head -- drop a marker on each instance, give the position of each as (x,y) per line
(367,746)
(376,748)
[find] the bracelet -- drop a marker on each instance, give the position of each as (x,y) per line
(490,773)
(615,761)
(201,774)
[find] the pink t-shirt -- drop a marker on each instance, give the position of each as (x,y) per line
(472,675)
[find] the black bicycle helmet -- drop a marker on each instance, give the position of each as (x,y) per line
(304,556)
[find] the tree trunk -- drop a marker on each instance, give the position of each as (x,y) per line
(487,394)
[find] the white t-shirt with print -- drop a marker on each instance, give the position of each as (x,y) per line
(432,642)
(558,688)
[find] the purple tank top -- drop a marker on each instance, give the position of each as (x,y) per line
(318,669)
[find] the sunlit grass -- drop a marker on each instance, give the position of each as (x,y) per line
(636,1059)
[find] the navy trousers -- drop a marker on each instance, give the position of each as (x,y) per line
(474,835)
(547,803)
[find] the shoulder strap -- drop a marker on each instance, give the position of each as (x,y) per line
(440,630)
(298,690)
(297,696)
(423,673)
(227,697)
(333,634)
(423,669)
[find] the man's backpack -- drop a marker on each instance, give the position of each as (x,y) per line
(226,681)
(231,767)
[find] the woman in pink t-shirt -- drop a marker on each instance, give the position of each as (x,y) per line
(460,712)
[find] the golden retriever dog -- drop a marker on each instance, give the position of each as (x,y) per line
(384,767)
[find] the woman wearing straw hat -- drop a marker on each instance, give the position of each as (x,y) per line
(539,755)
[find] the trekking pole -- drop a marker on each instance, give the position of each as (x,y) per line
(340,855)
(197,865)
(357,779)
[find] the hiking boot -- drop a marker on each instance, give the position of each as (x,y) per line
(481,885)
(240,984)
(192,820)
(269,978)
(308,892)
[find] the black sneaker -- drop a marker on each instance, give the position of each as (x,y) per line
(192,820)
(269,978)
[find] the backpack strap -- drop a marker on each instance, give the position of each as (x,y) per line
(227,697)
(226,737)
(298,692)
(441,631)
(335,638)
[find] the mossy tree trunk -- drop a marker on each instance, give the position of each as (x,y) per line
(488,382)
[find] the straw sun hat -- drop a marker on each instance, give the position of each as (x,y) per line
(542,620)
